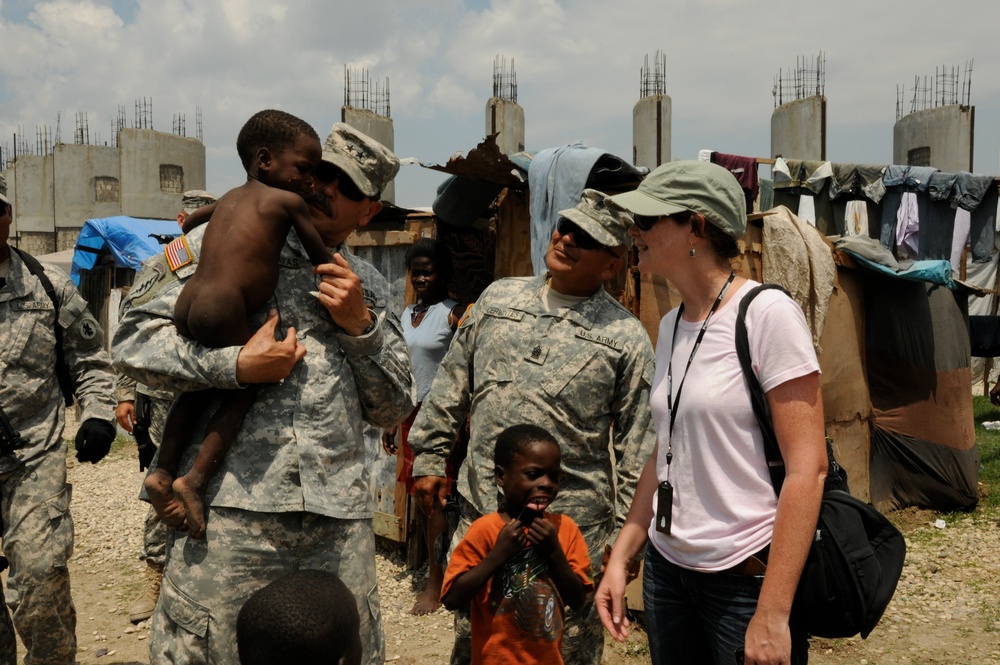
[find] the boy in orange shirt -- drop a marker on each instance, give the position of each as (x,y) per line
(519,567)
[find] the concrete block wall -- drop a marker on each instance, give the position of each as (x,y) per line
(144,154)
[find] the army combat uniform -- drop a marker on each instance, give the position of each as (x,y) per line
(293,491)
(582,373)
(34,494)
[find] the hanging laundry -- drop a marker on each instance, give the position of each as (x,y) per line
(856,219)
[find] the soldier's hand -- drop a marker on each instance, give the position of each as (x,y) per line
(93,440)
(264,359)
(125,415)
(341,293)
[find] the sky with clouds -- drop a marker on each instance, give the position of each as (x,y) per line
(577,61)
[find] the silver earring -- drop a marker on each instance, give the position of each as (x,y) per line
(691,252)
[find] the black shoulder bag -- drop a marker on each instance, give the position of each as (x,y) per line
(856,557)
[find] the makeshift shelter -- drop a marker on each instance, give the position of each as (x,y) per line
(108,254)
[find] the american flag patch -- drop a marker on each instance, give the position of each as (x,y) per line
(178,254)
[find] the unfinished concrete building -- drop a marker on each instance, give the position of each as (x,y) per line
(651,115)
(939,127)
(143,174)
(798,122)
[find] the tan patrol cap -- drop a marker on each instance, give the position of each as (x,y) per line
(368,163)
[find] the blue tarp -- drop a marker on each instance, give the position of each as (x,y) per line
(127,238)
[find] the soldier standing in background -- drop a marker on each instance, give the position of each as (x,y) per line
(47,331)
(556,351)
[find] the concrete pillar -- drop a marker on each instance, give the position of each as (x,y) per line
(651,131)
(798,129)
(379,128)
(506,118)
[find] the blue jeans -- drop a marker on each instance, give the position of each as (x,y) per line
(694,618)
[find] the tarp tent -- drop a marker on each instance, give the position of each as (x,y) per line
(128,239)
(108,253)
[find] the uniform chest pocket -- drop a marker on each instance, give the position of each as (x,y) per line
(28,353)
(30,338)
(583,384)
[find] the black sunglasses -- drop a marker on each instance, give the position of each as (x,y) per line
(645,222)
(327,172)
(581,238)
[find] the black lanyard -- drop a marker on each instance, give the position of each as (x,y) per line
(671,402)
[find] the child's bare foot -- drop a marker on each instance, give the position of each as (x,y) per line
(428,600)
(194,506)
(168,507)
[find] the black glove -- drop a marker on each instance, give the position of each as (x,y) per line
(144,442)
(93,440)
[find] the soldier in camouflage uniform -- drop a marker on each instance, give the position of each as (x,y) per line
(293,493)
(34,496)
(127,393)
(559,352)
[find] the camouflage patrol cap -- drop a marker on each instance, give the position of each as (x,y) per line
(368,163)
(3,189)
(196,198)
(608,226)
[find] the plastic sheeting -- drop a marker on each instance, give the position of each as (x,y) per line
(126,238)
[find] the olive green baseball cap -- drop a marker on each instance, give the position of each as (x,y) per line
(608,226)
(368,163)
(697,186)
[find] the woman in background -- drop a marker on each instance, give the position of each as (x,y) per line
(428,326)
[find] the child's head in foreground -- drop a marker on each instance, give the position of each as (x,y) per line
(307,617)
(527,465)
(280,150)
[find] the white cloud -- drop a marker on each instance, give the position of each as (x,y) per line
(577,62)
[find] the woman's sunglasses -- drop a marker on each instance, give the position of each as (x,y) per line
(645,222)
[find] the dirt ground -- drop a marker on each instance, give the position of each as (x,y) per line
(946,609)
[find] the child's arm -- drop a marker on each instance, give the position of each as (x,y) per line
(510,541)
(544,535)
(311,241)
(196,218)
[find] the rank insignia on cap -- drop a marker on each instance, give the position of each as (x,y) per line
(178,254)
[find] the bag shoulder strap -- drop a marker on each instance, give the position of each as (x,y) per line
(62,369)
(775,463)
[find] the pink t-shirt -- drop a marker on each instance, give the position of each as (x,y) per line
(723,499)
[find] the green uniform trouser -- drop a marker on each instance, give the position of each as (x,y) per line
(207,580)
(38,541)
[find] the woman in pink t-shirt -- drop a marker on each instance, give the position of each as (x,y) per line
(723,555)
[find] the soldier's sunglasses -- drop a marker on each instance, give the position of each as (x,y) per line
(581,238)
(327,172)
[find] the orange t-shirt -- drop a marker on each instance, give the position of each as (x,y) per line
(517,617)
